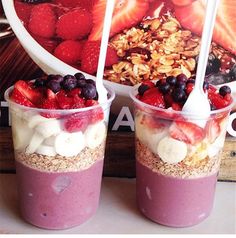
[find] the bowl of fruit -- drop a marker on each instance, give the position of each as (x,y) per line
(149,40)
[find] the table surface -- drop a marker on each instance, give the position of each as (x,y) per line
(117,213)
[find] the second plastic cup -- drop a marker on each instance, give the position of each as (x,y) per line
(59,162)
(177,162)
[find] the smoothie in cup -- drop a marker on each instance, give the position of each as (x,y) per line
(177,154)
(59,133)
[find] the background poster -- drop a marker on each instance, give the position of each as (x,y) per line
(149,39)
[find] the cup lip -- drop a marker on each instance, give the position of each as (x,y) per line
(111,97)
(133,92)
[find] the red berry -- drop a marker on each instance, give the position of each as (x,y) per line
(76,122)
(52,105)
(86,4)
(19,98)
(153,97)
(74,25)
(189,88)
(217,100)
(23,11)
(176,106)
(42,20)
(69,51)
(90,56)
(64,101)
(187,132)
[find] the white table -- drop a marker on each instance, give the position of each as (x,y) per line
(118,214)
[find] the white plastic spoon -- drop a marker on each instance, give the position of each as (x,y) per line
(197,103)
(102,92)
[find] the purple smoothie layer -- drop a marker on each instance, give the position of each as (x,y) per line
(58,200)
(174,201)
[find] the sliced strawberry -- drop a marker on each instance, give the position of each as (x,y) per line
(96,115)
(176,106)
(217,100)
(33,95)
(192,17)
(78,102)
(64,101)
(50,104)
(76,122)
(187,132)
(51,95)
(212,130)
(126,14)
(90,103)
(153,97)
(18,97)
(74,92)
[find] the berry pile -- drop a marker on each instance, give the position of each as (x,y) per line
(173,92)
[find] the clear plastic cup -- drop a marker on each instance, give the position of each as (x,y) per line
(59,162)
(177,162)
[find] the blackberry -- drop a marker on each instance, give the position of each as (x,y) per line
(224,90)
(69,82)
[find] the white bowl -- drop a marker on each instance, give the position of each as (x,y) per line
(51,65)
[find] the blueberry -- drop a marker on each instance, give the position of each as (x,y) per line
(79,76)
(90,81)
(182,77)
(218,78)
(40,82)
(224,90)
(171,80)
(178,95)
(142,89)
(81,83)
(89,91)
(55,77)
(54,85)
(69,82)
(164,87)
(180,84)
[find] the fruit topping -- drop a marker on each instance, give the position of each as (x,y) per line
(42,20)
(224,90)
(35,1)
(19,98)
(187,132)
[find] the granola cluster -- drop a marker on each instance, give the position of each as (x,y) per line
(155,49)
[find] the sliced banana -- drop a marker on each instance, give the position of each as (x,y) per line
(171,151)
(37,119)
(35,142)
(50,141)
(46,150)
(69,144)
(216,147)
(48,128)
(20,132)
(95,134)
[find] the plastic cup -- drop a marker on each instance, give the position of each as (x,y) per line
(177,162)
(59,162)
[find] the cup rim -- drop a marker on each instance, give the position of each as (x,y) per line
(111,96)
(133,92)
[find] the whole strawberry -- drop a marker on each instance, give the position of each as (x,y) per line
(69,51)
(74,25)
(90,56)
(42,20)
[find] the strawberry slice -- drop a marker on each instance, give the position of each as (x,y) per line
(76,122)
(212,130)
(17,97)
(33,95)
(153,97)
(217,100)
(126,14)
(192,16)
(64,101)
(187,132)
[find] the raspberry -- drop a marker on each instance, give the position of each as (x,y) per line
(69,51)
(42,20)
(74,25)
(23,11)
(90,56)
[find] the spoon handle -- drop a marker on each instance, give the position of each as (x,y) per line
(208,28)
(103,49)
